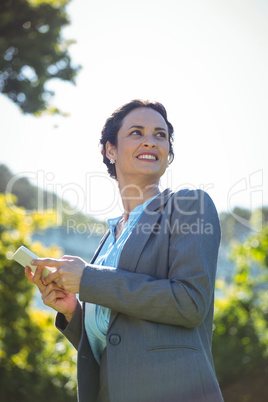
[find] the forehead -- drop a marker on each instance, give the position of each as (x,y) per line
(143,116)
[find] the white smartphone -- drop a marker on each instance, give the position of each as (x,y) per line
(24,257)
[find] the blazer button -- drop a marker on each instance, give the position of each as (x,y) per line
(114,340)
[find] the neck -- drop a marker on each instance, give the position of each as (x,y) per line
(133,195)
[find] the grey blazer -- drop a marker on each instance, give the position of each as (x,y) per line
(161,297)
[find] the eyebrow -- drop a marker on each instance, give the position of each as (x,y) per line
(156,128)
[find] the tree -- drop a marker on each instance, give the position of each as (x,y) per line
(240,340)
(35,359)
(34,198)
(32,51)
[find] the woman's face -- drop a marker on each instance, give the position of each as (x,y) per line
(142,146)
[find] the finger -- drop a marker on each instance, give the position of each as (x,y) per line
(51,299)
(73,258)
(68,257)
(29,274)
(38,274)
(49,262)
(53,277)
(36,277)
(50,288)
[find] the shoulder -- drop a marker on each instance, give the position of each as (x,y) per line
(195,206)
(197,199)
(193,211)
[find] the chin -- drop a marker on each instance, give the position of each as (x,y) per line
(153,175)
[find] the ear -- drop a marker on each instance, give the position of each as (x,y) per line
(170,158)
(110,150)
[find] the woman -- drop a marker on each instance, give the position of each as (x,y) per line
(144,329)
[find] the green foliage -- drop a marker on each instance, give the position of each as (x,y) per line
(33,52)
(35,360)
(240,340)
(33,198)
(231,227)
(44,364)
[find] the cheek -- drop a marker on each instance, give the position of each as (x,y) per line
(125,150)
(166,150)
(123,158)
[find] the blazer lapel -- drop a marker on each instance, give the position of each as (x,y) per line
(141,232)
(137,240)
(99,247)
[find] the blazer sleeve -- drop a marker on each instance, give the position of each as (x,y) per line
(185,296)
(71,330)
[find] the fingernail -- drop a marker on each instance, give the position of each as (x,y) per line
(33,261)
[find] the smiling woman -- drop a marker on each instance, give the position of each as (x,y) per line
(114,124)
(142,149)
(144,328)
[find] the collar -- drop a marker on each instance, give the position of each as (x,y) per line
(136,212)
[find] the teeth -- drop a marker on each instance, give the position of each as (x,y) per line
(147,157)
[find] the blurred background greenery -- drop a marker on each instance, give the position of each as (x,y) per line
(36,360)
(33,52)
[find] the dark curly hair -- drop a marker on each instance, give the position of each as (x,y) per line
(114,123)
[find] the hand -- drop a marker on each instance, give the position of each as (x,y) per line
(52,295)
(68,274)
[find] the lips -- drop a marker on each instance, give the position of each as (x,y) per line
(148,156)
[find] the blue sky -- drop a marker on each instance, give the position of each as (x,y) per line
(206,61)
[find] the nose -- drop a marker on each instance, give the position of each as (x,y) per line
(149,142)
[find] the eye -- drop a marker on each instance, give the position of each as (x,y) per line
(136,132)
(161,134)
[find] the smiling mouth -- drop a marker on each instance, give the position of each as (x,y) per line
(147,157)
